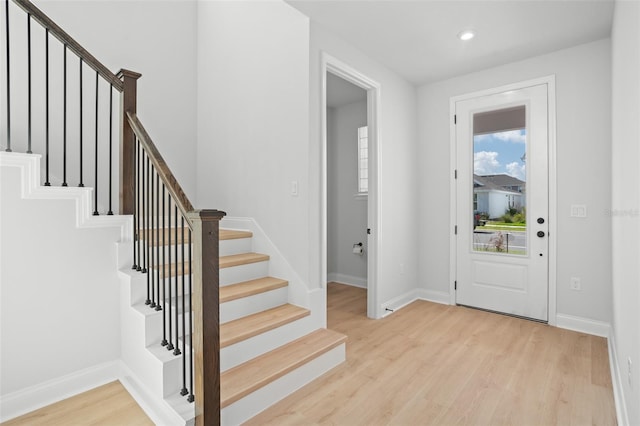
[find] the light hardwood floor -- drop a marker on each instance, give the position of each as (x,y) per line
(445,365)
(108,405)
(427,364)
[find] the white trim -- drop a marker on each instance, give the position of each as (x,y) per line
(331,64)
(616,378)
(550,81)
(434,296)
(347,279)
(398,302)
(583,325)
(29,166)
(159,410)
(34,397)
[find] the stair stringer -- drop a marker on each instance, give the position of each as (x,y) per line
(147,367)
(29,165)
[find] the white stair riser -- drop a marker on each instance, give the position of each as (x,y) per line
(262,343)
(171,369)
(154,329)
(245,306)
(237,274)
(249,406)
(236,246)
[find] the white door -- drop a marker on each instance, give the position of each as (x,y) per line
(502,202)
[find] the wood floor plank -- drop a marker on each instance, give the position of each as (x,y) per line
(431,364)
(107,405)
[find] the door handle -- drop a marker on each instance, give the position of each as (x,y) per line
(540,234)
(540,220)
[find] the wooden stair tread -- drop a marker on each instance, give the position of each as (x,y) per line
(225,262)
(249,288)
(234,234)
(246,327)
(167,236)
(242,259)
(246,378)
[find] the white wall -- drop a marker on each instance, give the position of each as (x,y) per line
(59,298)
(625,206)
(347,214)
(398,207)
(157,39)
(583,171)
(253,97)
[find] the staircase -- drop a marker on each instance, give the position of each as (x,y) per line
(180,353)
(269,347)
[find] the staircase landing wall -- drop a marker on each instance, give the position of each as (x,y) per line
(59,292)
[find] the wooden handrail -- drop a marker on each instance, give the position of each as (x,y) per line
(174,188)
(69,41)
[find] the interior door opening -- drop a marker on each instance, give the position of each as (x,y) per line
(347,186)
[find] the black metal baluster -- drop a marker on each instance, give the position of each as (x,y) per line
(64,118)
(169,266)
(191,397)
(184,390)
(110,212)
(136,216)
(164,274)
(29,107)
(145,223)
(158,246)
(81,130)
(176,351)
(95,184)
(6,8)
(46,48)
(152,239)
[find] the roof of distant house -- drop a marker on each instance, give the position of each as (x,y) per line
(497,182)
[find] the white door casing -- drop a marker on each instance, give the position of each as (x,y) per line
(514,284)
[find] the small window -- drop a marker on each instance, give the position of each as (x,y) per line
(475,201)
(363,160)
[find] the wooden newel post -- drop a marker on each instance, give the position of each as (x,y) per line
(127,141)
(206,314)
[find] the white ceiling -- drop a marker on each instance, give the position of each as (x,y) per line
(341,92)
(418,38)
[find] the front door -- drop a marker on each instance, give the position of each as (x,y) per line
(502,202)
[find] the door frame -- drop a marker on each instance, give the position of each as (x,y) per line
(333,65)
(550,81)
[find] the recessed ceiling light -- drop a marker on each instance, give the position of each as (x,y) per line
(466,35)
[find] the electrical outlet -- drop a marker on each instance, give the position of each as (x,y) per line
(629,377)
(402,269)
(576,284)
(294,188)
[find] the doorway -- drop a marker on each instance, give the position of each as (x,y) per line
(502,214)
(349,210)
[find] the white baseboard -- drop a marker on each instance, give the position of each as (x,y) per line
(158,410)
(347,279)
(583,325)
(616,378)
(34,397)
(398,302)
(433,296)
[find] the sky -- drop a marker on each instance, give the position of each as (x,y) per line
(500,153)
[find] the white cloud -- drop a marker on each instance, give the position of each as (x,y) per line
(516,170)
(515,136)
(485,162)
